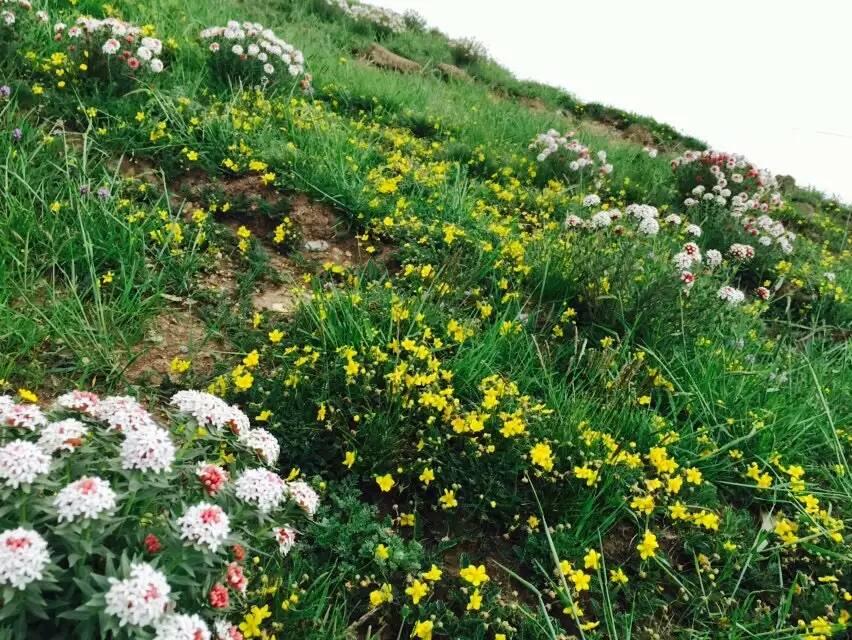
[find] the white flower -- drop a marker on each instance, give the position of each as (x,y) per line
(263,443)
(148,449)
(225,630)
(205,525)
(591,200)
(111,46)
(731,295)
(23,557)
(572,221)
(714,258)
(179,626)
(286,538)
(144,53)
(600,220)
(210,411)
(673,218)
(139,600)
(123,413)
(24,416)
(261,488)
(155,45)
(682,261)
(303,495)
(741,252)
(86,498)
(83,401)
(649,226)
(237,50)
(214,47)
(268,69)
(21,462)
(694,230)
(65,435)
(156,65)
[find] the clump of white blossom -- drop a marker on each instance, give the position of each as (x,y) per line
(116,40)
(379,16)
(569,151)
(251,47)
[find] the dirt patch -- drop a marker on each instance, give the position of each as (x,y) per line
(387,59)
(173,333)
(534,104)
(323,236)
(640,135)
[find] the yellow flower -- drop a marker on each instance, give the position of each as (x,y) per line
(542,455)
(693,476)
(648,547)
(192,156)
(448,500)
(382,552)
(107,277)
(433,575)
(617,576)
(475,575)
(381,595)
(423,630)
(251,624)
(644,401)
(385,482)
(275,336)
(427,476)
(264,415)
(592,560)
(475,601)
(349,459)
(267,178)
(417,591)
(27,396)
(565,567)
(252,358)
(581,580)
(55,207)
(406,519)
(179,365)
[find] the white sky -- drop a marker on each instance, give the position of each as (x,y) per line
(770,80)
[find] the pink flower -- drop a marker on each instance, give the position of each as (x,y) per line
(152,544)
(235,578)
(218,596)
(212,476)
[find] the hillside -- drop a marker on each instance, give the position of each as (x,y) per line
(324,326)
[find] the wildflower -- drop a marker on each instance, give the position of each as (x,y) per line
(23,557)
(433,575)
(139,600)
(152,544)
(250,626)
(261,488)
(304,496)
(542,455)
(275,336)
(475,601)
(179,366)
(148,449)
(592,560)
(417,590)
(448,499)
(218,596)
(385,482)
(475,575)
(693,476)
(64,435)
(286,538)
(212,477)
(581,580)
(382,552)
(381,595)
(88,497)
(423,630)
(617,576)
(648,547)
(235,577)
(21,462)
(205,525)
(349,459)
(180,625)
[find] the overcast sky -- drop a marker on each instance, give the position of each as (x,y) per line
(770,80)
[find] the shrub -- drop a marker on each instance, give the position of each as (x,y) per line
(116,524)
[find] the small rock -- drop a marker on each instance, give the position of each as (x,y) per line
(316,245)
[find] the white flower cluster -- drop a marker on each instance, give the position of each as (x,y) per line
(742,187)
(210,411)
(286,538)
(731,295)
(85,498)
(180,626)
(11,8)
(63,435)
(579,156)
(647,215)
(384,18)
(205,525)
(148,449)
(110,35)
(21,462)
(140,600)
(251,41)
(741,252)
(303,495)
(261,488)
(24,416)
(23,557)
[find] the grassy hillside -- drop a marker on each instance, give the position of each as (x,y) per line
(550,369)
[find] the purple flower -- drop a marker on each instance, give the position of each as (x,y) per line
(103,193)
(17,134)
(5,91)
(84,189)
